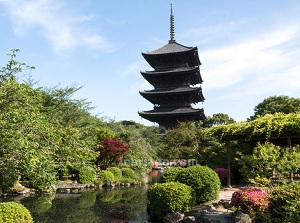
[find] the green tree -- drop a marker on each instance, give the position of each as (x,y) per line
(144,142)
(41,132)
(218,119)
(27,139)
(268,157)
(275,104)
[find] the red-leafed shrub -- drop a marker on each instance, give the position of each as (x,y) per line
(112,151)
(253,201)
(223,174)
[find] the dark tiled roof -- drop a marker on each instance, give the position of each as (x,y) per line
(171,111)
(173,70)
(171,47)
(171,90)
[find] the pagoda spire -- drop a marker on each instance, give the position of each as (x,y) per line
(172,31)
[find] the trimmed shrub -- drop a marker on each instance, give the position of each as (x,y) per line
(203,180)
(285,203)
(128,173)
(253,201)
(170,175)
(169,197)
(14,212)
(116,171)
(86,175)
(106,175)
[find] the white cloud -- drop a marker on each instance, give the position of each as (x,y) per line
(62,28)
(259,64)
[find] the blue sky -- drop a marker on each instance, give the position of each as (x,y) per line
(249,50)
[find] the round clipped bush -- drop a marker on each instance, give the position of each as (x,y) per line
(169,197)
(86,175)
(203,180)
(14,212)
(128,173)
(253,201)
(116,171)
(170,175)
(106,175)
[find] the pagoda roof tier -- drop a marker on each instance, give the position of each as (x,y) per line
(174,95)
(189,55)
(176,76)
(173,115)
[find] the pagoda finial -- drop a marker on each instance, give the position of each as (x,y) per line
(172,31)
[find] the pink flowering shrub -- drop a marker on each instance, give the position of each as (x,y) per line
(223,174)
(253,201)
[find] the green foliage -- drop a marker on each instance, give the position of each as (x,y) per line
(268,157)
(217,119)
(106,175)
(170,175)
(203,180)
(170,197)
(285,203)
(8,176)
(128,173)
(267,126)
(116,171)
(86,174)
(13,67)
(14,212)
(274,104)
(144,142)
(182,142)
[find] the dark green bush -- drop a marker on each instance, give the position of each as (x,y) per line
(203,180)
(8,177)
(116,171)
(128,173)
(169,197)
(285,203)
(42,180)
(86,174)
(170,175)
(106,175)
(14,212)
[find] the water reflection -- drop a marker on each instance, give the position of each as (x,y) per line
(121,205)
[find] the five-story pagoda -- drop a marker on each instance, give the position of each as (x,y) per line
(174,78)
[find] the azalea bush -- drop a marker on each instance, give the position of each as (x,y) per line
(252,201)
(223,174)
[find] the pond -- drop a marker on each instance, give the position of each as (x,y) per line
(119,205)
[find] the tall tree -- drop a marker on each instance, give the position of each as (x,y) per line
(276,104)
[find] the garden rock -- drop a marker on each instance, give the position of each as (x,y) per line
(240,217)
(110,183)
(173,217)
(190,219)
